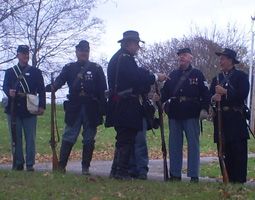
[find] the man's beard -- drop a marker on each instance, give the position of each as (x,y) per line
(82,61)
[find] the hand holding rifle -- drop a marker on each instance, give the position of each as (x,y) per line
(217,97)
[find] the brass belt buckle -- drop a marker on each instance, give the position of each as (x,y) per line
(82,94)
(20,94)
(225,108)
(183,99)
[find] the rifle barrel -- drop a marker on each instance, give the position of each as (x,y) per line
(13,133)
(163,143)
(53,142)
(221,142)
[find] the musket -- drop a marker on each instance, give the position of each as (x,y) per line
(163,143)
(221,142)
(13,132)
(53,142)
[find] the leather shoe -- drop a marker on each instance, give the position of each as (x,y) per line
(85,171)
(174,178)
(194,180)
(30,168)
(19,168)
(142,177)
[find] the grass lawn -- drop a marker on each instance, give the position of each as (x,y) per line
(40,186)
(48,185)
(105,137)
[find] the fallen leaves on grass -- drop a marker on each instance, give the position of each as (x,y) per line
(49,175)
(96,198)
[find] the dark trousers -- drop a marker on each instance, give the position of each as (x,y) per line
(125,140)
(125,136)
(236,158)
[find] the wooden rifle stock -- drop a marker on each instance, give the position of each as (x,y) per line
(163,143)
(13,132)
(53,142)
(221,142)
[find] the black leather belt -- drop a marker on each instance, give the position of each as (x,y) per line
(21,94)
(184,98)
(235,108)
(82,94)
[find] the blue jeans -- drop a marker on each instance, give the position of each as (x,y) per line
(28,124)
(139,158)
(192,131)
(72,132)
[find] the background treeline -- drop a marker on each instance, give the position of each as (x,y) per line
(51,27)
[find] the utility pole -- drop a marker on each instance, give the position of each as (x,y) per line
(251,98)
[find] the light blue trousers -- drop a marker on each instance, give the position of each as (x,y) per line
(139,158)
(191,129)
(27,124)
(72,132)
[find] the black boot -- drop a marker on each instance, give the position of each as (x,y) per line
(115,163)
(86,158)
(65,150)
(124,156)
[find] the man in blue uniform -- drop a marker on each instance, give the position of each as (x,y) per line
(139,158)
(124,111)
(20,80)
(232,90)
(85,106)
(189,98)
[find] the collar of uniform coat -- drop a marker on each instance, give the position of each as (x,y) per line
(125,51)
(181,70)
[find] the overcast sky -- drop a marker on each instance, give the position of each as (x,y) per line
(160,20)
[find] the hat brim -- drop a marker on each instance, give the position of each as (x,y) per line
(22,51)
(235,61)
(178,53)
(134,39)
(80,48)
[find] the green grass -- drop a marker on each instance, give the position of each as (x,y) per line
(40,186)
(105,138)
(212,170)
(47,185)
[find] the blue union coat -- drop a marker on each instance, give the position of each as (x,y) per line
(92,84)
(233,123)
(126,112)
(36,85)
(194,87)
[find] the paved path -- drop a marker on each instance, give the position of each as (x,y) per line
(102,168)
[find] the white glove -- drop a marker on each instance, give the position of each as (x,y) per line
(203,114)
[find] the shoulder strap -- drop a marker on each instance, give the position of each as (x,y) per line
(181,80)
(226,78)
(80,74)
(117,72)
(21,78)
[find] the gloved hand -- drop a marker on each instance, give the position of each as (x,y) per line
(203,114)
(48,88)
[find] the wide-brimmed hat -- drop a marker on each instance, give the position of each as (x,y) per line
(131,35)
(184,50)
(229,53)
(82,46)
(23,49)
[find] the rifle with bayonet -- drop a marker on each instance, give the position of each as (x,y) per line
(221,142)
(13,132)
(163,143)
(53,142)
